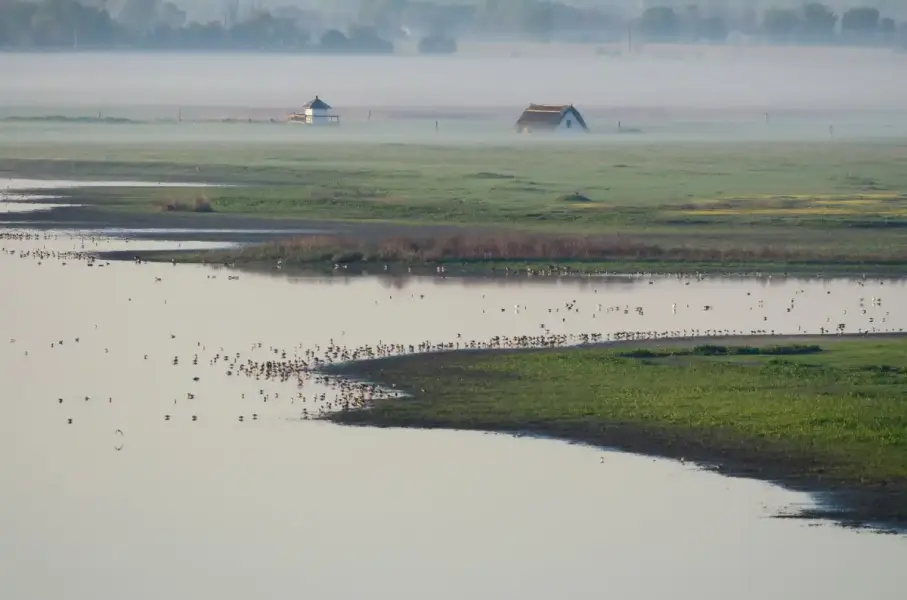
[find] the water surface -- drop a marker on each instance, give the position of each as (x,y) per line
(10,186)
(278,506)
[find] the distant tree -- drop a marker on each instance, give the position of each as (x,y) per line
(171,15)
(54,24)
(689,22)
(537,19)
(251,32)
(361,38)
(862,20)
(384,15)
(659,23)
(887,27)
(366,39)
(749,21)
(781,23)
(140,15)
(437,44)
(208,36)
(334,41)
(33,24)
(713,29)
(231,12)
(264,30)
(504,15)
(819,21)
(438,18)
(48,29)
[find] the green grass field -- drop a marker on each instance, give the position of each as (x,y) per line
(829,417)
(813,201)
(526,184)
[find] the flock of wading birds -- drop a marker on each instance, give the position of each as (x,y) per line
(303,365)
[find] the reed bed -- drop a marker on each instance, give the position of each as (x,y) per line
(471,246)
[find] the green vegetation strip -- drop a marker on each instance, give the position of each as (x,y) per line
(766,206)
(830,418)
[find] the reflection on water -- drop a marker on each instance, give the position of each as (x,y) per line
(21,242)
(276,506)
(10,185)
(16,207)
(136,232)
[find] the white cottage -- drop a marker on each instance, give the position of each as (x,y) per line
(550,117)
(315,112)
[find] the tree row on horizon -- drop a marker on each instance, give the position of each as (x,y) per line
(160,24)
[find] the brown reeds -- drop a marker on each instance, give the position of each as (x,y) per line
(529,246)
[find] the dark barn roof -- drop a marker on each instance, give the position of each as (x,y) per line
(317,104)
(547,116)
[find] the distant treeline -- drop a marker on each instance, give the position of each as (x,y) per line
(811,23)
(157,24)
(67,24)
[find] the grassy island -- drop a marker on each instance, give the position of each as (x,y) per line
(817,414)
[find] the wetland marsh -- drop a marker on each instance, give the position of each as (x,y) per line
(178,430)
(298,498)
(812,207)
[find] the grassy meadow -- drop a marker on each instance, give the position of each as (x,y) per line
(770,202)
(828,416)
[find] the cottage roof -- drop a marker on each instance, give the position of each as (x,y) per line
(317,104)
(548,115)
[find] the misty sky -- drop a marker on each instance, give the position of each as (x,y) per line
(724,77)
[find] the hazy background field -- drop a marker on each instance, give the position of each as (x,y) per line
(805,145)
(687,91)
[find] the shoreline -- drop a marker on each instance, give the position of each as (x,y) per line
(879,505)
(188,226)
(526,269)
(257,243)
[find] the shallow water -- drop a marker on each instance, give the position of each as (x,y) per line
(157,231)
(278,506)
(9,186)
(19,207)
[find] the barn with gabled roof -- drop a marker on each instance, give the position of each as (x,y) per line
(551,117)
